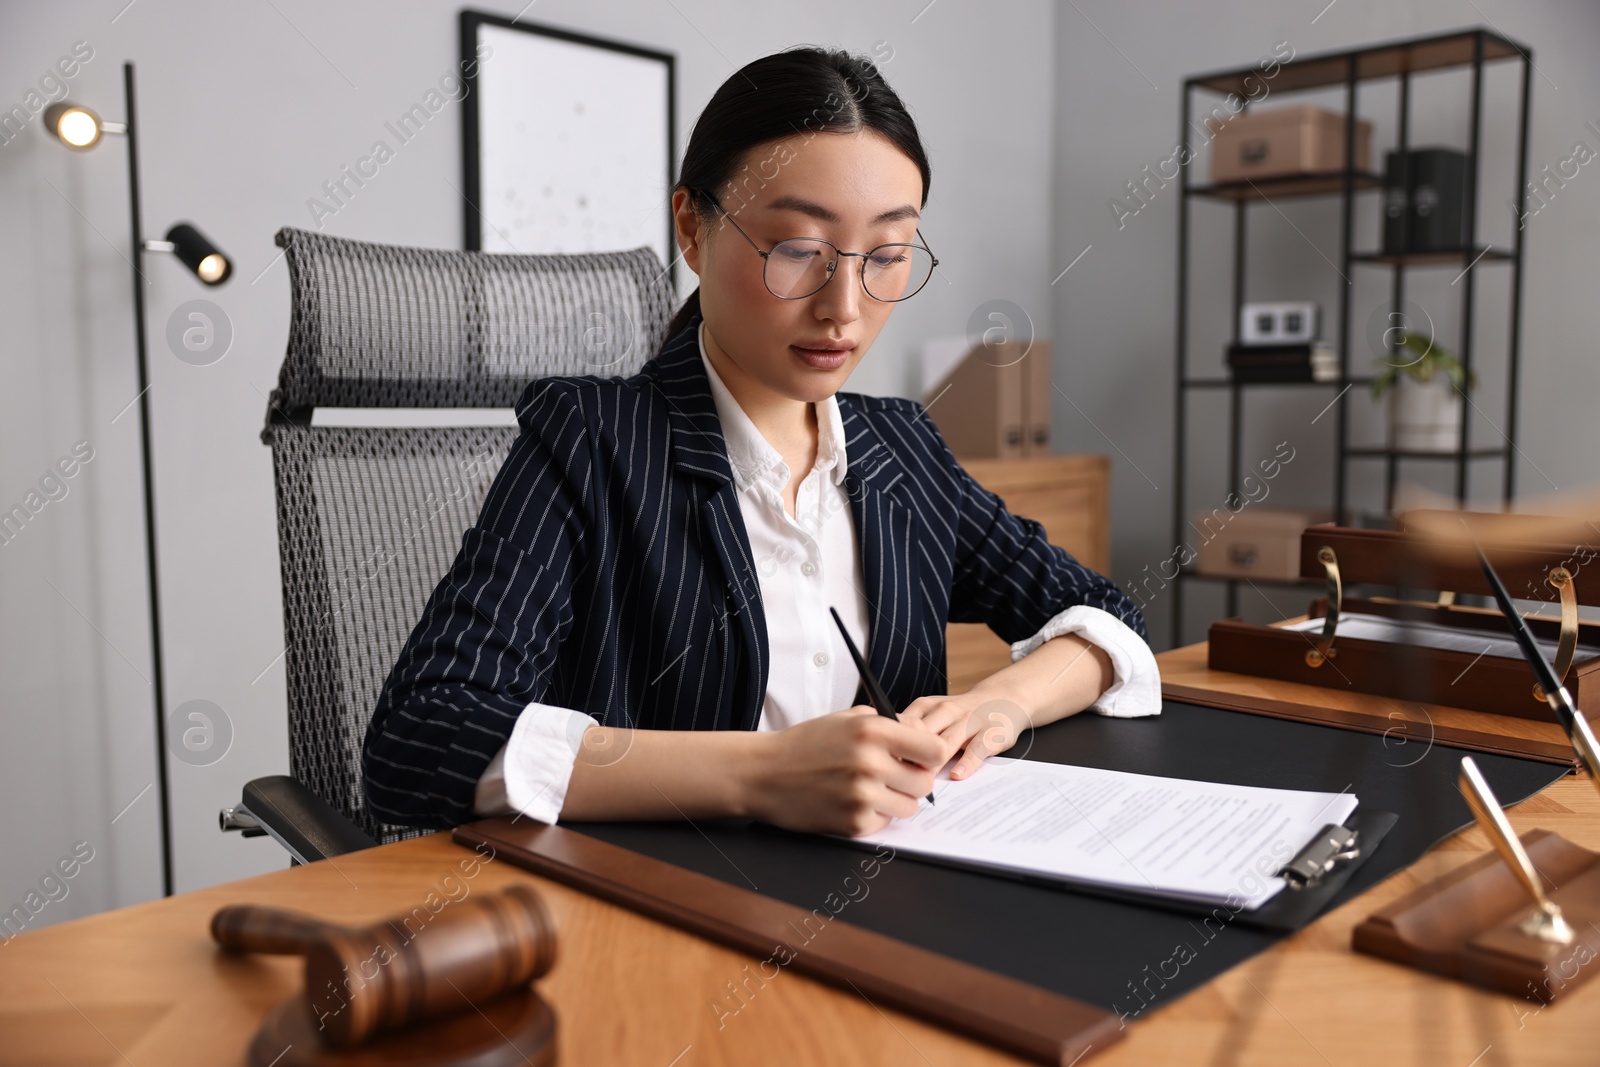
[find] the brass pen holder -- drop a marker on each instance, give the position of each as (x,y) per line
(1523,920)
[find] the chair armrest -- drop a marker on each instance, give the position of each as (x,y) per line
(299,820)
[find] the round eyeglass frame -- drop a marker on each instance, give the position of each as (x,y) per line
(832,266)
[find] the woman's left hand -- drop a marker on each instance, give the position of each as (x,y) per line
(981,723)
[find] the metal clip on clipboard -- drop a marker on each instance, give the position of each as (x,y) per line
(1333,845)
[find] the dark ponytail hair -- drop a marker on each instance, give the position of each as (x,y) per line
(799,91)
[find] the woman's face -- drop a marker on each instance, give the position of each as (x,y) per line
(856,190)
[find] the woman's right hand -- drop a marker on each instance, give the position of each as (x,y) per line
(844,773)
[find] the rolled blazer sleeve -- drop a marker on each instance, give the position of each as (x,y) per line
(488,637)
(1135,689)
(1007,573)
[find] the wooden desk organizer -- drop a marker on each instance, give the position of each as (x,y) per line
(1464,924)
(1408,560)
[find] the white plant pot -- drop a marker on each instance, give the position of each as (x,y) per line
(1425,416)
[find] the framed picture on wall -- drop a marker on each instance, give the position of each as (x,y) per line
(567,141)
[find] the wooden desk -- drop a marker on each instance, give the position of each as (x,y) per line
(144,985)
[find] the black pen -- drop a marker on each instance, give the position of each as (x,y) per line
(880,699)
(1555,694)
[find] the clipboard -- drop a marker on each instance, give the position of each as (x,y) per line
(1298,905)
(1293,907)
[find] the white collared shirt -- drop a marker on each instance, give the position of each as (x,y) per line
(805,564)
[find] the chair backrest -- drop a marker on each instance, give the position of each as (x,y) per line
(370,517)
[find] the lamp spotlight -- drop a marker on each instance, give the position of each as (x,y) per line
(196,252)
(75,125)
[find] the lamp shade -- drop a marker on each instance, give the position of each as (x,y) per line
(199,254)
(73,124)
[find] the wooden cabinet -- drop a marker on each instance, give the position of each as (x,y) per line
(1070,497)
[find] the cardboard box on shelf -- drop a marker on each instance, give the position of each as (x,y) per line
(1284,141)
(1253,542)
(995,402)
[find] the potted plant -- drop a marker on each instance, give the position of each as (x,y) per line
(1429,386)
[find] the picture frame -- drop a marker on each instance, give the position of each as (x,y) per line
(608,105)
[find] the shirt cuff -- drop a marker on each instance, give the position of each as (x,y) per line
(1136,688)
(530,773)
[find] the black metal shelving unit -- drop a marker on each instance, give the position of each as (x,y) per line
(1397,60)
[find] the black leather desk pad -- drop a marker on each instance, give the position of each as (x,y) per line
(1115,954)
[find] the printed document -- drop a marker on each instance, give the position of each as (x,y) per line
(1202,842)
(1369,627)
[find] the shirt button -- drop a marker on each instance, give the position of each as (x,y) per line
(820,659)
(808,568)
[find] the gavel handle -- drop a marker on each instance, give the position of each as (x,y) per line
(256,928)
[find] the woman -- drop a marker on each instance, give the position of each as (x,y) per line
(638,627)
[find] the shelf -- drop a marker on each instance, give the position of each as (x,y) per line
(1343,83)
(1325,183)
(1460,257)
(1223,383)
(1377,61)
(1384,453)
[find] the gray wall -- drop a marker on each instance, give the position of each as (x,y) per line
(1118,87)
(1034,115)
(246,110)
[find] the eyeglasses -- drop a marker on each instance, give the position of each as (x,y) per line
(800,266)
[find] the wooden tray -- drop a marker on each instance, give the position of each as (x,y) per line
(1410,728)
(1412,672)
(1403,559)
(1494,684)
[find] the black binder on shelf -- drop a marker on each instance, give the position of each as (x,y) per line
(1424,201)
(1309,361)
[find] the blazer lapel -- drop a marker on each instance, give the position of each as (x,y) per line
(742,613)
(700,454)
(884,529)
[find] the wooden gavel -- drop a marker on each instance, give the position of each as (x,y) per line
(386,977)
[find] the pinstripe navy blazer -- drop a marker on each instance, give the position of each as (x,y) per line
(609,571)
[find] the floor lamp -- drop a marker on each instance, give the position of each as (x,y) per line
(79,128)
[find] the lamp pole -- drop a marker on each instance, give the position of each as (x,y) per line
(79,128)
(157,672)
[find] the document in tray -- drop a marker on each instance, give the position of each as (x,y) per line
(1369,627)
(1202,842)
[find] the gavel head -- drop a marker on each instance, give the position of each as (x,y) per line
(395,974)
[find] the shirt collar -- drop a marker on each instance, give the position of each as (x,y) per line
(749,453)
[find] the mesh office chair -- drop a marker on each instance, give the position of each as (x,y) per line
(370,517)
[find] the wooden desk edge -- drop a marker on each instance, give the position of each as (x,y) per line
(979,1004)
